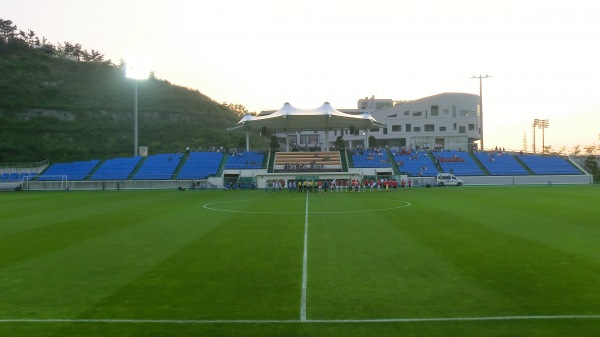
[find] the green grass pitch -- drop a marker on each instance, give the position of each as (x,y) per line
(467,261)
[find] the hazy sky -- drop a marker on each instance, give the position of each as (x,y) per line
(543,56)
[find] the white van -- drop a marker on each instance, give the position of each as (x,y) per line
(447,179)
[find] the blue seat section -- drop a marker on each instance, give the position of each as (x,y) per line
(244,160)
(548,164)
(159,166)
(200,165)
(458,162)
(73,171)
(501,164)
(10,177)
(416,164)
(116,168)
(370,158)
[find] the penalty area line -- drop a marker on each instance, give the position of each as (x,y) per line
(315,321)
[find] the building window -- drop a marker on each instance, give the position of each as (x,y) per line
(462,129)
(396,128)
(374,130)
(429,127)
(454,111)
(417,114)
(406,113)
(434,111)
(417,129)
(442,128)
(385,131)
(454,126)
(408,127)
(471,127)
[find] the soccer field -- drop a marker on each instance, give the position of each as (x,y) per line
(467,261)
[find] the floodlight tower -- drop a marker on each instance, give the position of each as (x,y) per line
(544,123)
(136,71)
(481,105)
(536,123)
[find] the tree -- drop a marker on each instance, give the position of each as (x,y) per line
(274,145)
(576,150)
(339,143)
(372,141)
(8,31)
(590,149)
(239,109)
(592,164)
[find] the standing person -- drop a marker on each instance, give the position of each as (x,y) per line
(266,186)
(402,183)
(409,184)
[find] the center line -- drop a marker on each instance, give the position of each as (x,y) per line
(304,266)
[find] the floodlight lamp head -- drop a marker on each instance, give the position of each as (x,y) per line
(137,69)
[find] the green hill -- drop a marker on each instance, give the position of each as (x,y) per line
(65,105)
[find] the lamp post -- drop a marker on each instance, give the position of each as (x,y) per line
(136,71)
(481,105)
(543,124)
(540,124)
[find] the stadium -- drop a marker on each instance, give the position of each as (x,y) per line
(413,139)
(224,242)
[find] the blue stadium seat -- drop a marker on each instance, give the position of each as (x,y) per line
(501,164)
(116,169)
(549,165)
(200,165)
(72,171)
(160,166)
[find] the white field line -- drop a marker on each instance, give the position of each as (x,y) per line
(304,266)
(316,321)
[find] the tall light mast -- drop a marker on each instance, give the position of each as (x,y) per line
(481,105)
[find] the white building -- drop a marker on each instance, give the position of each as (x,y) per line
(449,120)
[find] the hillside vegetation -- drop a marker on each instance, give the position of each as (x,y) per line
(64,103)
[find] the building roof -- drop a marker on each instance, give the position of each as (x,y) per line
(324,117)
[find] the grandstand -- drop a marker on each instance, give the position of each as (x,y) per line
(116,169)
(247,169)
(308,161)
(550,165)
(245,160)
(458,162)
(370,158)
(201,165)
(501,164)
(72,171)
(415,164)
(160,166)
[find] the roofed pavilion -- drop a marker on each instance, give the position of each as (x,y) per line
(291,119)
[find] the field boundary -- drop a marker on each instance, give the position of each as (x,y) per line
(284,321)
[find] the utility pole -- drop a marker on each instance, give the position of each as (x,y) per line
(481,105)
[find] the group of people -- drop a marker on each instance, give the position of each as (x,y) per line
(338,185)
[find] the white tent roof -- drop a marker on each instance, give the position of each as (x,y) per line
(324,117)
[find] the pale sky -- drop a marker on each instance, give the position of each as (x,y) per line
(543,56)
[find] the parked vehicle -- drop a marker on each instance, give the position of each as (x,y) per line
(447,179)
